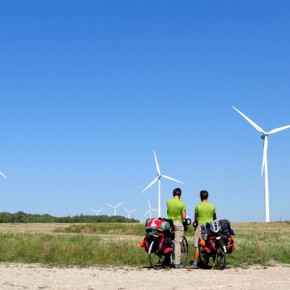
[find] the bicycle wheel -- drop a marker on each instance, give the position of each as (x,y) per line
(203,258)
(156,260)
(220,259)
(184,251)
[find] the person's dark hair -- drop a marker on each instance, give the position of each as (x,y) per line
(204,194)
(177,191)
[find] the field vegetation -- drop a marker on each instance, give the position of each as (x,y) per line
(117,244)
(22,217)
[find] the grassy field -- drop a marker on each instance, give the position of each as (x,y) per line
(117,244)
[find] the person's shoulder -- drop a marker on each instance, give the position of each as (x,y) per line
(170,200)
(182,201)
(211,205)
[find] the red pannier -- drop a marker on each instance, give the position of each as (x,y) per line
(160,230)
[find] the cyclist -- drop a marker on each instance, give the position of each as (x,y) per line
(204,212)
(176,210)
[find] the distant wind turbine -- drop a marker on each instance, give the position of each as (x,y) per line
(150,209)
(159,175)
(264,136)
(115,207)
(96,211)
(129,212)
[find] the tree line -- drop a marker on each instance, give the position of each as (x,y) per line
(22,217)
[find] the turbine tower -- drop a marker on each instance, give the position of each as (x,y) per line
(129,211)
(264,136)
(150,209)
(114,207)
(159,175)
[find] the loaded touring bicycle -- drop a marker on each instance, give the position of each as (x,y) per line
(159,243)
(216,243)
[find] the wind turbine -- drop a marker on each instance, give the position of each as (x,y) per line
(96,211)
(150,209)
(129,211)
(264,136)
(159,175)
(115,207)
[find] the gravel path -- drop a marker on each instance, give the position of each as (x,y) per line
(23,276)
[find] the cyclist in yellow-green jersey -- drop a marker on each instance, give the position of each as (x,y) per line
(204,212)
(176,210)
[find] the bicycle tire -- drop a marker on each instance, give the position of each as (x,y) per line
(184,251)
(203,258)
(220,259)
(156,260)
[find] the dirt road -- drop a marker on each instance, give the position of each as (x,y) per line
(23,276)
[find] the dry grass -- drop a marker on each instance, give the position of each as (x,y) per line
(59,228)
(50,228)
(264,227)
(44,228)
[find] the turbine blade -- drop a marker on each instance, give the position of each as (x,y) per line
(3,175)
(147,211)
(119,204)
(149,204)
(258,128)
(165,176)
(126,209)
(265,149)
(156,179)
(279,129)
(92,210)
(156,162)
(109,205)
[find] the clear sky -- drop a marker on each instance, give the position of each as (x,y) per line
(88,89)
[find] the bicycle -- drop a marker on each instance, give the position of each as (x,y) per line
(162,257)
(216,244)
(219,258)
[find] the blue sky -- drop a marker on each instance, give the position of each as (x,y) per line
(90,88)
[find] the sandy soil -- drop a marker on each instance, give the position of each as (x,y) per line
(22,276)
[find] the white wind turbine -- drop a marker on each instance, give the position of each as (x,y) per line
(129,212)
(115,207)
(264,136)
(159,175)
(96,211)
(150,209)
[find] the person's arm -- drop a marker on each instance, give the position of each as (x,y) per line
(214,215)
(183,214)
(196,218)
(195,223)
